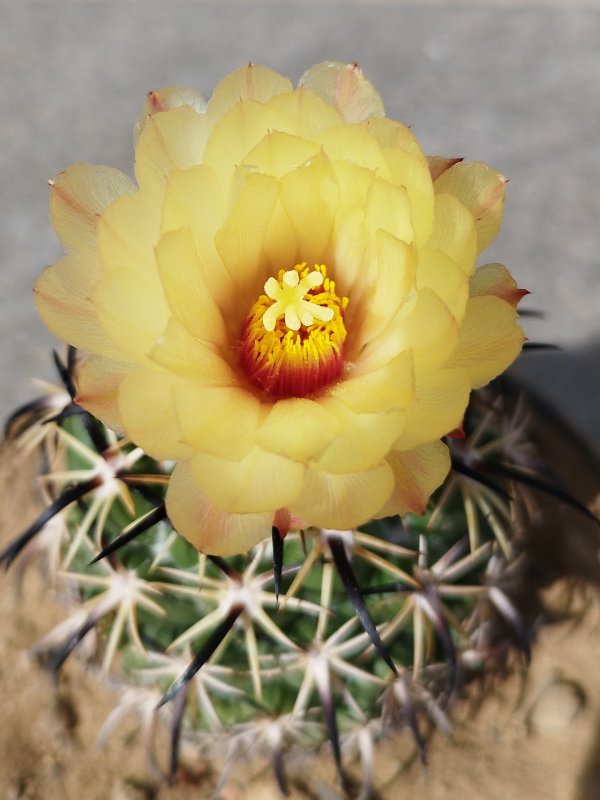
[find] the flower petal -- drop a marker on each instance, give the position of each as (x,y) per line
(298,428)
(345,88)
(392,134)
(309,112)
(206,526)
(417,474)
(412,172)
(78,196)
(439,405)
(495,279)
(192,358)
(480,189)
(343,501)
(127,233)
(252,82)
(454,232)
(170,141)
(438,272)
(165,99)
(363,440)
(222,421)
(489,341)
(278,153)
(258,482)
(63,298)
(98,382)
(370,391)
(186,286)
(132,310)
(147,411)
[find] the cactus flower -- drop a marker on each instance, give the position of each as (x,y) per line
(285,303)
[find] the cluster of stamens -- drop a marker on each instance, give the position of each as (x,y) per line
(293,336)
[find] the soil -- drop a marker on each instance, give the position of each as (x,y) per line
(531,733)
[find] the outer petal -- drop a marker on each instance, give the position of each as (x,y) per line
(222,421)
(147,411)
(309,112)
(78,196)
(63,299)
(298,428)
(278,153)
(480,189)
(98,383)
(345,88)
(390,133)
(354,143)
(454,232)
(132,310)
(412,172)
(489,341)
(363,441)
(206,526)
(495,279)
(417,473)
(258,482)
(438,407)
(165,99)
(170,141)
(343,501)
(439,164)
(127,233)
(252,82)
(438,272)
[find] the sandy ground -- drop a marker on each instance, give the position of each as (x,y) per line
(535,734)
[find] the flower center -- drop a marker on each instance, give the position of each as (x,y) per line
(293,336)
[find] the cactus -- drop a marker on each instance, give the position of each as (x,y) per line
(323,639)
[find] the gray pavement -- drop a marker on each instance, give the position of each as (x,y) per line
(515,84)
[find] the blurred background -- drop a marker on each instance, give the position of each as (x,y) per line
(516,84)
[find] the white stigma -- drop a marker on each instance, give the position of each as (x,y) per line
(290,303)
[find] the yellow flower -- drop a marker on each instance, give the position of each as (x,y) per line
(285,304)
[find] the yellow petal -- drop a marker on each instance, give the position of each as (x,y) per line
(219,420)
(165,99)
(480,189)
(438,407)
(258,482)
(252,82)
(127,233)
(240,130)
(278,153)
(345,88)
(309,196)
(394,278)
(186,286)
(170,141)
(439,273)
(147,411)
(489,339)
(495,279)
(78,196)
(392,134)
(132,310)
(98,382)
(192,358)
(308,112)
(388,208)
(207,527)
(63,299)
(454,232)
(439,164)
(240,241)
(343,501)
(298,428)
(417,474)
(363,439)
(371,391)
(355,144)
(412,172)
